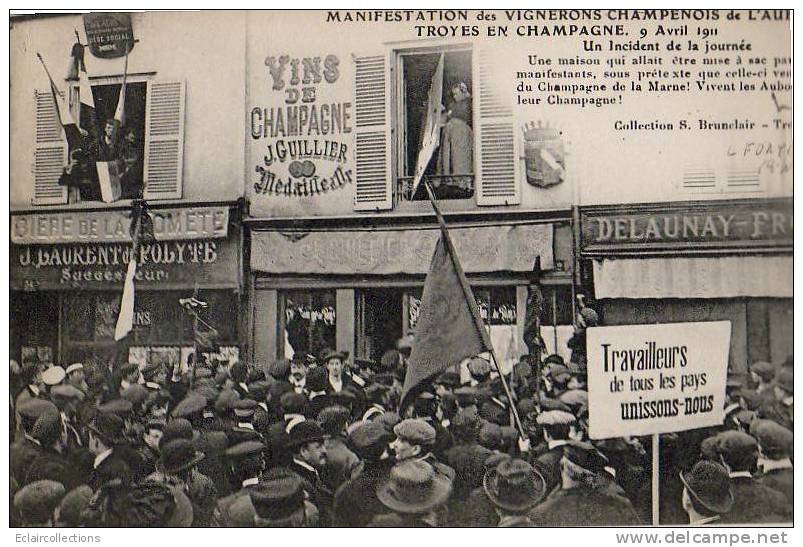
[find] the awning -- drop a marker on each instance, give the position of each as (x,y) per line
(714,277)
(480,249)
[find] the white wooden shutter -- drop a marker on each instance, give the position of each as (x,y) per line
(372,133)
(164,140)
(50,154)
(497,149)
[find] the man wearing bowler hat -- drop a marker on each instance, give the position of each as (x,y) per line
(279,502)
(514,488)
(177,470)
(246,464)
(306,442)
(707,493)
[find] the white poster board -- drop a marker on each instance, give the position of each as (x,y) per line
(648,379)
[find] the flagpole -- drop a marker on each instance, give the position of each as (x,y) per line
(474,312)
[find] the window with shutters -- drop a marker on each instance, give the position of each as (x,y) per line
(476,159)
(144,154)
(449,168)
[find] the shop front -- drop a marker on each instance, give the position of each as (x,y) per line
(697,261)
(358,288)
(67,273)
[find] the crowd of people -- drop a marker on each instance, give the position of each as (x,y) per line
(321,441)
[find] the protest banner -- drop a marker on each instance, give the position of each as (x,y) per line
(648,379)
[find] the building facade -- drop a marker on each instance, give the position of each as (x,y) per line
(339,237)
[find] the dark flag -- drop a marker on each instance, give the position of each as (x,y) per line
(449,327)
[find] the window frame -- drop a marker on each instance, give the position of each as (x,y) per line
(399,115)
(74,103)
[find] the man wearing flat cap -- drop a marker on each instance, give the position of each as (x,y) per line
(414,441)
(35,503)
(707,493)
(587,497)
(246,463)
(559,427)
(781,408)
(775,444)
(754,502)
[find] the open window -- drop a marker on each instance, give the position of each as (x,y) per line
(147,149)
(450,168)
(477,157)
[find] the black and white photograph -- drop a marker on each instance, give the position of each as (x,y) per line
(401,268)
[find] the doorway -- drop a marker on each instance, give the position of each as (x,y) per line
(380,313)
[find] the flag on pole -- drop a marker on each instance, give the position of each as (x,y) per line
(110,170)
(125,319)
(74,138)
(449,328)
(119,112)
(86,115)
(431,129)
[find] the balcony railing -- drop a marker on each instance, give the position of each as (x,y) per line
(459,186)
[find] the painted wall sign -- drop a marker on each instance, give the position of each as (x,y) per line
(109,34)
(211,263)
(301,132)
(113,226)
(688,227)
(498,248)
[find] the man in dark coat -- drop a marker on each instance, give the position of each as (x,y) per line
(340,460)
(25,450)
(414,440)
(306,441)
(586,496)
(246,462)
(558,426)
(754,502)
(467,458)
(356,502)
(775,464)
(50,463)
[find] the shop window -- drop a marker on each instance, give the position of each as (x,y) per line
(308,322)
(558,308)
(145,158)
(497,306)
(159,319)
(450,170)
